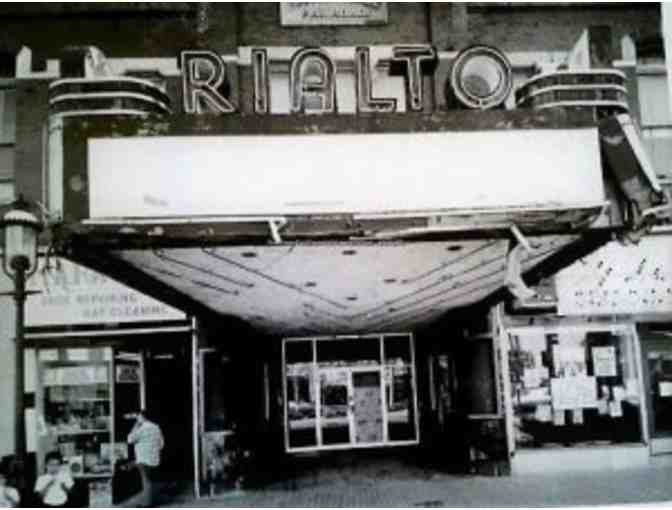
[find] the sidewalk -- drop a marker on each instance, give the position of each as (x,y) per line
(650,485)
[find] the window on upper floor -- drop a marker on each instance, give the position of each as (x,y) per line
(656,117)
(7,114)
(7,138)
(7,194)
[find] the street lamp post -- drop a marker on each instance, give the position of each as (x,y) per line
(19,242)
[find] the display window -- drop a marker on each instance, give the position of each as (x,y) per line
(348,392)
(77,416)
(575,386)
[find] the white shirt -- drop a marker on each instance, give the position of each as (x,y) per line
(148,443)
(9,497)
(55,495)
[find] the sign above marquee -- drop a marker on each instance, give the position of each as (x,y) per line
(332,13)
(71,294)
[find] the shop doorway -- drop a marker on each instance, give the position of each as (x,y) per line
(169,404)
(657,370)
(349,392)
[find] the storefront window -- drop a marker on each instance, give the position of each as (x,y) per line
(75,410)
(574,386)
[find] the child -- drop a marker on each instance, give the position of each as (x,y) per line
(9,496)
(53,486)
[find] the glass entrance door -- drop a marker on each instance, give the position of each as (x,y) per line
(351,406)
(335,403)
(367,408)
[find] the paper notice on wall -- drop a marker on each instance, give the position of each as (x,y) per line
(603,407)
(543,413)
(532,340)
(604,361)
(531,378)
(577,416)
(558,417)
(574,392)
(615,409)
(569,361)
(665,388)
(535,396)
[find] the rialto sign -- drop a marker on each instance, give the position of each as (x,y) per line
(313,79)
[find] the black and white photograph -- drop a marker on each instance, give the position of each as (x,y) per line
(335,254)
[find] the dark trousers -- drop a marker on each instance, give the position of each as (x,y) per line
(145,498)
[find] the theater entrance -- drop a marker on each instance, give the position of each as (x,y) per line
(349,392)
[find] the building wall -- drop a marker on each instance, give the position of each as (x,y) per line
(546,28)
(123,32)
(6,368)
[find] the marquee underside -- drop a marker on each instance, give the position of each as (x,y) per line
(339,287)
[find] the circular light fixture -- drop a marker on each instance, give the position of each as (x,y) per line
(311,284)
(349,252)
(248,254)
(480,78)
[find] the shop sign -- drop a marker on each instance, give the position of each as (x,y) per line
(71,294)
(128,374)
(332,13)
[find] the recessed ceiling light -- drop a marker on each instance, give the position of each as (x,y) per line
(349,252)
(311,284)
(390,280)
(249,254)
(454,247)
(351,298)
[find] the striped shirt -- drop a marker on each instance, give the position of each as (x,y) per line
(147,441)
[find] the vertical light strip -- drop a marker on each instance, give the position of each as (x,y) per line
(638,365)
(267,394)
(415,387)
(283,371)
(503,336)
(383,399)
(194,407)
(112,379)
(318,395)
(430,372)
(666,12)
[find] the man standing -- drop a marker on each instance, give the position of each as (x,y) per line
(147,440)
